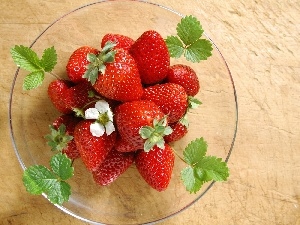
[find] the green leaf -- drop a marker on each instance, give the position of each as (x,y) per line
(62,166)
(25,58)
(190,181)
(189,30)
(146,132)
(59,192)
(49,59)
(195,151)
(175,46)
(193,102)
(91,74)
(199,50)
(58,139)
(184,120)
(38,179)
(214,168)
(33,80)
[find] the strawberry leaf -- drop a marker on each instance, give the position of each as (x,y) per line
(38,179)
(28,60)
(49,59)
(33,80)
(175,46)
(195,151)
(59,192)
(199,50)
(62,166)
(188,41)
(25,58)
(201,168)
(189,30)
(193,102)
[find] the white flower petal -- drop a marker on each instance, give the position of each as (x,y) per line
(109,127)
(110,115)
(97,129)
(91,113)
(102,106)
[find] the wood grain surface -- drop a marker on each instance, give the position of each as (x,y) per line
(260,40)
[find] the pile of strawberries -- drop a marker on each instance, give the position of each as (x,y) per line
(131,103)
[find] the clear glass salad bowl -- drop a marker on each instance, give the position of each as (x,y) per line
(128,200)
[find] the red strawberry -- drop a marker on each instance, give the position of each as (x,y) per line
(179,130)
(70,122)
(170,98)
(66,96)
(130,117)
(123,146)
(152,57)
(56,93)
(120,40)
(113,166)
(156,166)
(93,150)
(119,77)
(186,77)
(77,63)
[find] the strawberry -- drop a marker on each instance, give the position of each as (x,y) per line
(66,95)
(93,150)
(170,98)
(152,57)
(179,130)
(56,93)
(120,40)
(123,146)
(76,66)
(70,122)
(130,117)
(156,166)
(112,167)
(114,74)
(186,77)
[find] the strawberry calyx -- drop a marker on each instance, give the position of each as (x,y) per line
(58,139)
(97,63)
(154,135)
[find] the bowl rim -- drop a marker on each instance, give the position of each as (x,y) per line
(22,164)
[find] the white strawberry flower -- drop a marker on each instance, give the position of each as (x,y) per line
(104,119)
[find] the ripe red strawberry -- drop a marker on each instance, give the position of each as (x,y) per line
(93,150)
(66,95)
(123,146)
(186,77)
(120,81)
(120,40)
(56,93)
(170,98)
(115,164)
(156,166)
(77,63)
(130,117)
(152,57)
(179,130)
(70,122)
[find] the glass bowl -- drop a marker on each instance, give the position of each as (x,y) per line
(128,200)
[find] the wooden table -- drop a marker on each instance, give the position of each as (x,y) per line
(260,40)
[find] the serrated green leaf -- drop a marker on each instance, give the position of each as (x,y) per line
(58,139)
(62,166)
(91,58)
(184,121)
(195,151)
(59,192)
(190,181)
(193,102)
(199,50)
(91,74)
(214,168)
(189,30)
(148,145)
(25,58)
(175,46)
(38,179)
(49,59)
(168,130)
(33,80)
